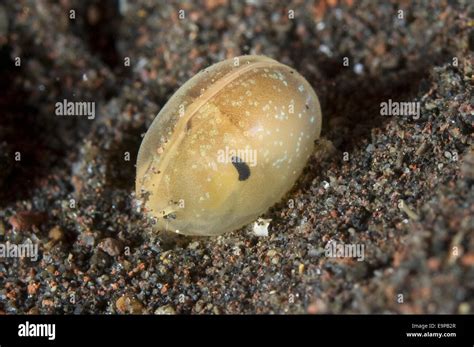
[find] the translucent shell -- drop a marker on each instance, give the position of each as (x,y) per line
(229,144)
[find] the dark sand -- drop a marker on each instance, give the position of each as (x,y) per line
(72,192)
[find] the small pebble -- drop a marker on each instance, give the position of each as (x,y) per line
(25,220)
(165,310)
(111,246)
(129,304)
(56,234)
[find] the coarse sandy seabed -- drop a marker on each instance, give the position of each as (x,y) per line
(72,192)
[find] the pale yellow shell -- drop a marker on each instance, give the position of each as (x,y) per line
(227,146)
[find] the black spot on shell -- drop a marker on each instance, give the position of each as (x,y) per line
(242,168)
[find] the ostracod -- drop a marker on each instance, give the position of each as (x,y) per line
(229,144)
